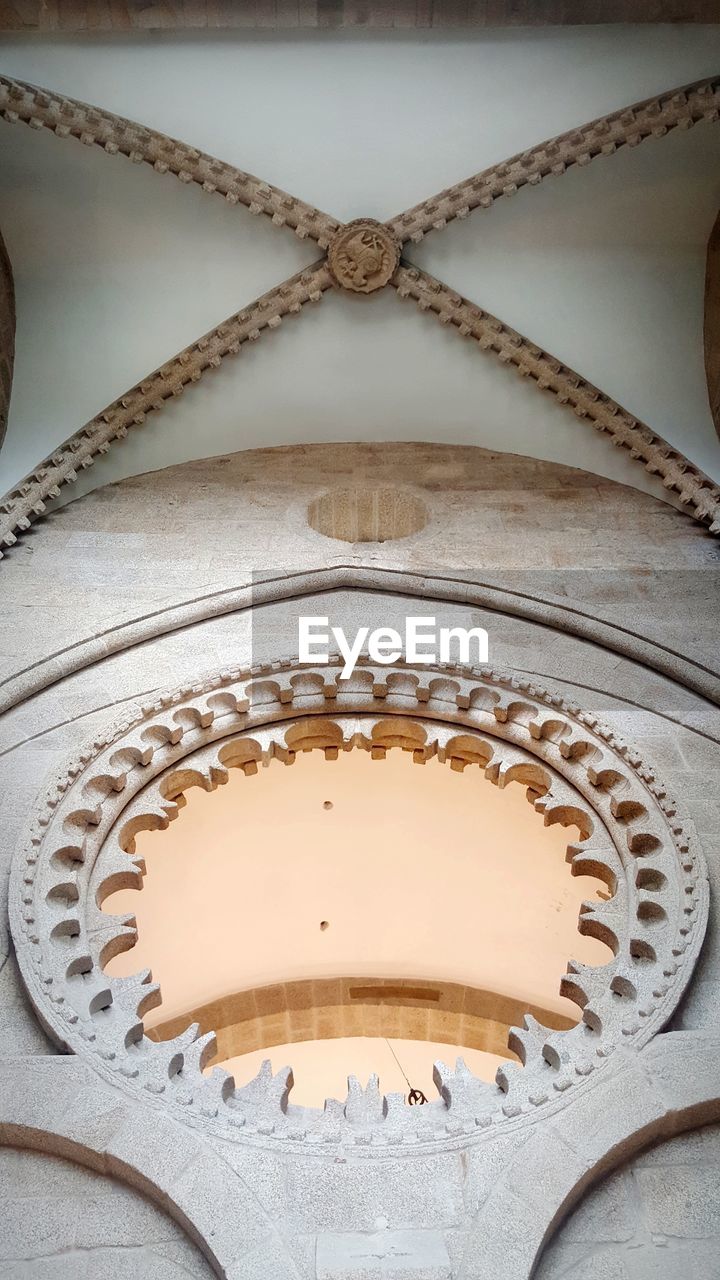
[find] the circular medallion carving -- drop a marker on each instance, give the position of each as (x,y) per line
(363,255)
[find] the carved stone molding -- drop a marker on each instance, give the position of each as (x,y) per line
(273,587)
(28,501)
(67,118)
(363,255)
(363,263)
(653,118)
(694,488)
(80,849)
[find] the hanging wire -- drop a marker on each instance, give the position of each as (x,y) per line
(416,1097)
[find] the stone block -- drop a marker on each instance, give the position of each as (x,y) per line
(681,1202)
(373,1255)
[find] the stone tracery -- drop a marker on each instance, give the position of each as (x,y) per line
(577,772)
(681,108)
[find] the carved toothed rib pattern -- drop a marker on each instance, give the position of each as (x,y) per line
(66,118)
(653,118)
(41,108)
(576,771)
(694,488)
(27,501)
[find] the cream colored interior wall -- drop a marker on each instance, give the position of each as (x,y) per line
(117,268)
(321,1067)
(420,872)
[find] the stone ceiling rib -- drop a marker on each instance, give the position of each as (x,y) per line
(66,118)
(694,488)
(42,109)
(653,118)
(23,504)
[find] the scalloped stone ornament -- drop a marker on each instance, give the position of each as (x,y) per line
(80,848)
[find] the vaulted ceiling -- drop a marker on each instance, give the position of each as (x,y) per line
(118,268)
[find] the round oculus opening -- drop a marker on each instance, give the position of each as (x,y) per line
(400,977)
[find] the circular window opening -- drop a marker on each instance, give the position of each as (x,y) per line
(367,514)
(449,911)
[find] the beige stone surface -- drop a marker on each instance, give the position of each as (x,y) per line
(517,524)
(149,646)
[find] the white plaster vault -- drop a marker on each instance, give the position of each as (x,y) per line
(364,256)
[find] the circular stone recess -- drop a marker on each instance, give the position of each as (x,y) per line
(363,256)
(79,849)
(367,514)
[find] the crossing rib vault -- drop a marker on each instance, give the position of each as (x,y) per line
(650,120)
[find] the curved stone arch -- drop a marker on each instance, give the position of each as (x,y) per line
(42,108)
(58,1105)
(409,1008)
(672,1087)
(130,779)
(61,1107)
(440,588)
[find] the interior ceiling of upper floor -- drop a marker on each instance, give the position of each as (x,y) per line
(117,268)
(326,868)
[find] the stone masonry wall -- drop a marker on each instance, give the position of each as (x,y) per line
(658,1218)
(116,561)
(61,1221)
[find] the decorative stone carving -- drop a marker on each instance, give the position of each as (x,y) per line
(653,118)
(363,255)
(80,849)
